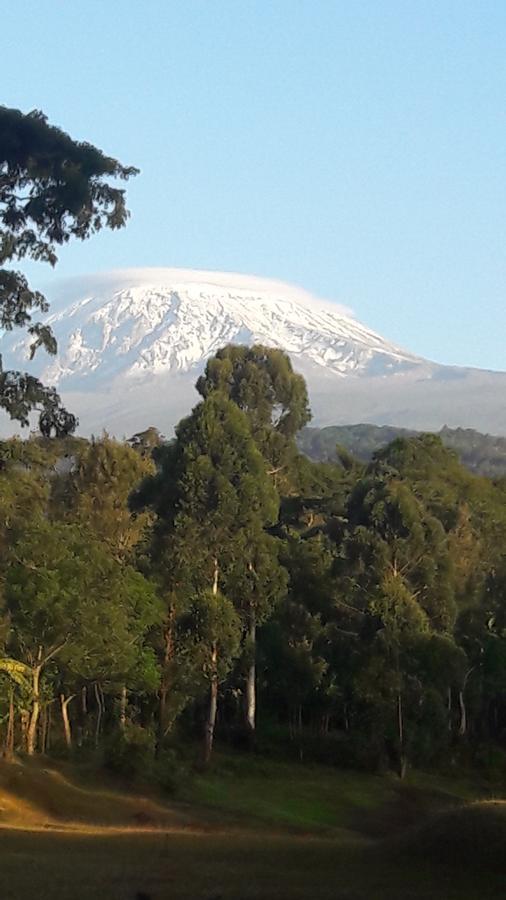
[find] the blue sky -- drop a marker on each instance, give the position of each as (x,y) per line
(357,149)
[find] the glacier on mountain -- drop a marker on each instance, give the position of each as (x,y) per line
(172,324)
(131,344)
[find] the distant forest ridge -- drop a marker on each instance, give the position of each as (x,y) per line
(483,454)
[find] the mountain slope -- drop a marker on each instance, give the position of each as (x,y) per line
(482,454)
(132,343)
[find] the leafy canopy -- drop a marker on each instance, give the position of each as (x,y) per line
(52,189)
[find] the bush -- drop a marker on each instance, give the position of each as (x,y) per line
(131,752)
(169,772)
(492,761)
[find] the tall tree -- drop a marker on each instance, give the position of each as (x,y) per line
(261,381)
(211,494)
(256,582)
(52,189)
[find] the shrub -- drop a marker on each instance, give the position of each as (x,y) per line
(131,752)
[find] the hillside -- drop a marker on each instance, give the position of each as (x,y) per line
(257,830)
(483,454)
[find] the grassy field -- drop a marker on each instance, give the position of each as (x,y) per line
(270,831)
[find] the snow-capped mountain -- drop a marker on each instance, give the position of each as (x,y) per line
(132,343)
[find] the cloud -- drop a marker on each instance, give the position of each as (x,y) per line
(65,291)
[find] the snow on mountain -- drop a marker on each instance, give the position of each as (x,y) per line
(131,344)
(172,322)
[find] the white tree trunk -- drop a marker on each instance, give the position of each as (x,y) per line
(251,679)
(67,730)
(213,707)
(123,708)
(463,715)
(31,733)
(462,704)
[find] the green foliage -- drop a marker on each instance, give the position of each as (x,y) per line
(211,624)
(52,189)
(261,382)
(365,602)
(65,592)
(98,490)
(130,752)
(482,454)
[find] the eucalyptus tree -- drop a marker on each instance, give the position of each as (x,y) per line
(261,382)
(212,497)
(256,581)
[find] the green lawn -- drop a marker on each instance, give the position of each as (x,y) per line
(322,799)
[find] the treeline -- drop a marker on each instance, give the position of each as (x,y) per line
(483,454)
(222,582)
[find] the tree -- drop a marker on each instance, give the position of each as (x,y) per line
(52,189)
(72,605)
(214,634)
(212,495)
(391,532)
(256,581)
(105,474)
(261,382)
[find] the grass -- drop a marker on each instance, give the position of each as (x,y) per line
(38,795)
(321,799)
(475,833)
(298,797)
(249,829)
(53,866)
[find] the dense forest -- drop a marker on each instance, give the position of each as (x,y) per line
(483,454)
(158,594)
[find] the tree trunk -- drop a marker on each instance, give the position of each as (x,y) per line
(168,655)
(400,726)
(31,733)
(462,705)
(213,706)
(99,714)
(463,715)
(24,717)
(9,738)
(162,714)
(49,727)
(251,679)
(216,575)
(213,691)
(43,729)
(449,708)
(67,730)
(123,708)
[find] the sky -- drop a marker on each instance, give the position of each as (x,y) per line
(355,148)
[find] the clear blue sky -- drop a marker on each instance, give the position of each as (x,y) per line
(357,148)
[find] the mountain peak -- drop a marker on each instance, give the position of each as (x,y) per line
(131,344)
(143,323)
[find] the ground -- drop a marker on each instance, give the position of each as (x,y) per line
(269,830)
